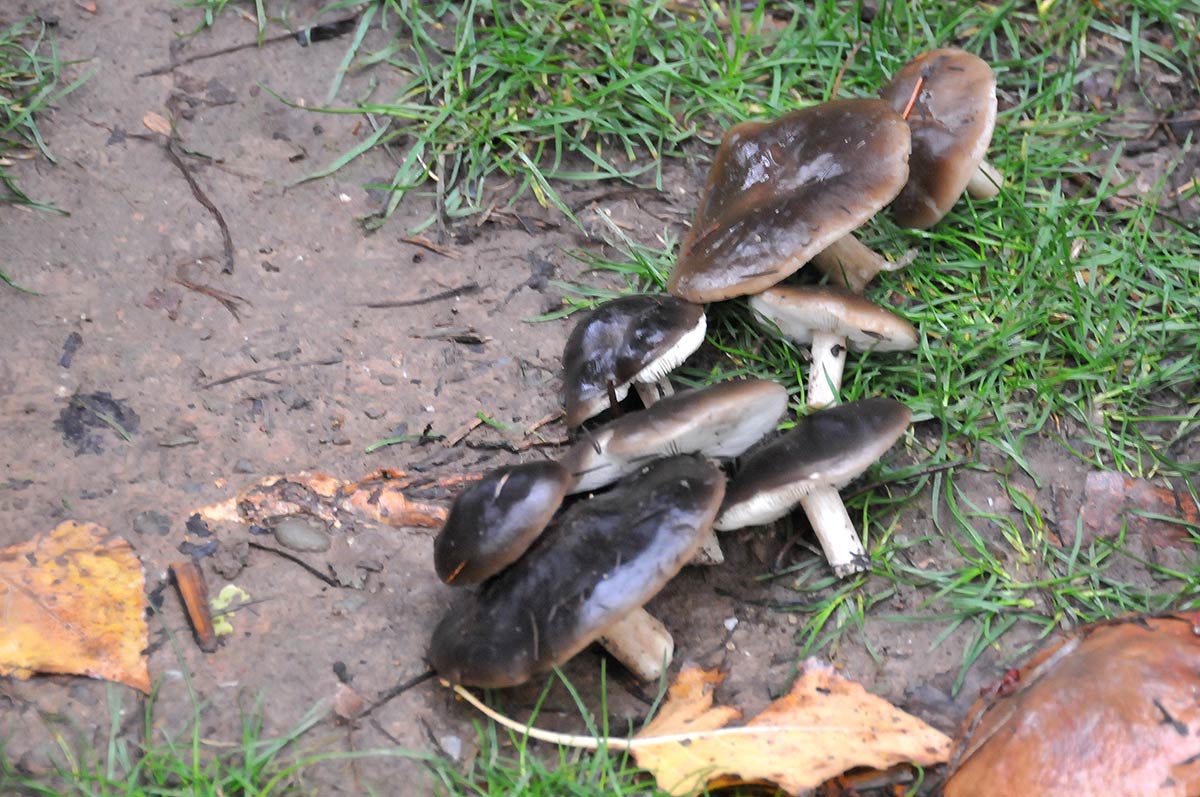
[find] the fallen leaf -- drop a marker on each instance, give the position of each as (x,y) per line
(1108,708)
(72,602)
(824,726)
(156,123)
(1159,513)
(383,496)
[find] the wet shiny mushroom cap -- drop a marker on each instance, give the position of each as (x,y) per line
(829,448)
(951,119)
(779,192)
(600,560)
(494,520)
(718,421)
(634,338)
(800,310)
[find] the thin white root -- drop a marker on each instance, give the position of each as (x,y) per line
(985,182)
(641,643)
(835,531)
(825,372)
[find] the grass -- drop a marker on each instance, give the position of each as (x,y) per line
(1064,311)
(30,82)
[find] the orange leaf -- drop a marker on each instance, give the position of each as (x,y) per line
(1108,708)
(72,601)
(825,726)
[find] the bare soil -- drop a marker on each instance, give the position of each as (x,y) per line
(320,376)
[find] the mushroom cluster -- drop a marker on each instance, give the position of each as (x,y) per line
(566,553)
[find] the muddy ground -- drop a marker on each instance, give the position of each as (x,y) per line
(332,377)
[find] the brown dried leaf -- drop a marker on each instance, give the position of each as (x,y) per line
(1109,709)
(825,726)
(73,603)
(156,123)
(379,496)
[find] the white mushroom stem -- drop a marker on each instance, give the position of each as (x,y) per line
(834,531)
(825,373)
(852,264)
(641,643)
(651,392)
(985,181)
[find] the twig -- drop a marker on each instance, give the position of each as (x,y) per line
(314,571)
(457,435)
(227,300)
(190,583)
(203,199)
(398,690)
(437,249)
(837,81)
(304,36)
(461,290)
(260,371)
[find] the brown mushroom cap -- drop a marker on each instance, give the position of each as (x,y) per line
(633,338)
(718,421)
(779,192)
(600,560)
(951,120)
(801,310)
(494,520)
(829,448)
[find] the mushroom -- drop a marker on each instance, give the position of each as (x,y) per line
(494,520)
(807,466)
(948,97)
(830,320)
(635,339)
(719,421)
(780,192)
(592,568)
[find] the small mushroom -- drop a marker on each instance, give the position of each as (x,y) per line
(780,192)
(632,340)
(831,320)
(948,97)
(808,465)
(494,520)
(849,263)
(719,421)
(598,563)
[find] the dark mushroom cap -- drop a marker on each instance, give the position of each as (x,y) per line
(779,192)
(600,560)
(801,310)
(951,121)
(494,520)
(829,448)
(634,338)
(718,421)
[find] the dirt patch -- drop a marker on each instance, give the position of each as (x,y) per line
(145,383)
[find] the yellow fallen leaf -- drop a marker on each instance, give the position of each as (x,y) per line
(73,602)
(824,727)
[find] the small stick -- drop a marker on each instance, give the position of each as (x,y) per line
(461,290)
(190,583)
(260,371)
(227,300)
(314,571)
(425,243)
(398,690)
(913,99)
(304,37)
(457,436)
(202,198)
(837,81)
